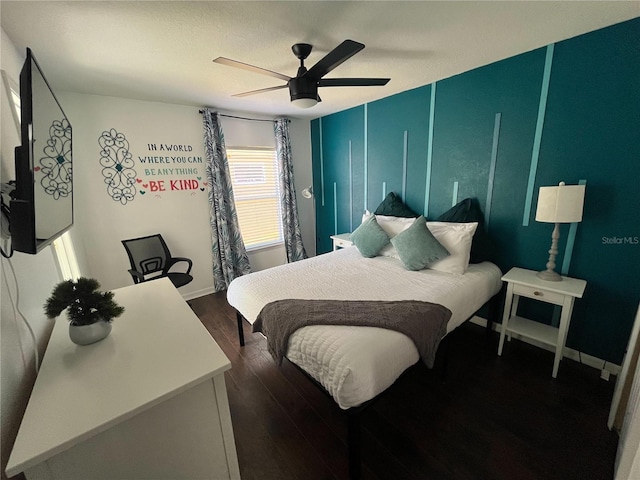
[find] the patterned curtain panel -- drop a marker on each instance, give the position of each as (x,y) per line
(230,258)
(290,224)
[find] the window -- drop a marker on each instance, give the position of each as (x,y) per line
(66,257)
(256,191)
(13,94)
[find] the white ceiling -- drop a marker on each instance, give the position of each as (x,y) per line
(163,51)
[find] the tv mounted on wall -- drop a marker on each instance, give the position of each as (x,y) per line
(42,205)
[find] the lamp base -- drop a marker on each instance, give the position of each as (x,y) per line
(549,275)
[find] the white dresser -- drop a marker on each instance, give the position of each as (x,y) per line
(147,402)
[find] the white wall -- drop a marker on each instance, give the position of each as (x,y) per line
(163,202)
(300,131)
(11,64)
(628,456)
(182,216)
(36,276)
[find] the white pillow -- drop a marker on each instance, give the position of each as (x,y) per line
(456,238)
(392,226)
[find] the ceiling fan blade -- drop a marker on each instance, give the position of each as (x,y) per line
(335,57)
(262,90)
(352,82)
(251,68)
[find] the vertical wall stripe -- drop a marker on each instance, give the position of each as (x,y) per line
(454,200)
(405,147)
(571,238)
(384,190)
(321,166)
(335,208)
(432,114)
(492,169)
(350,188)
(542,107)
(366,153)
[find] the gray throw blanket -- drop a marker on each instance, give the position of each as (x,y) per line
(423,322)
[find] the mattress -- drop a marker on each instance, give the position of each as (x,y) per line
(355,364)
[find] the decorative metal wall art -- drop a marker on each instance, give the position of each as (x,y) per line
(117,166)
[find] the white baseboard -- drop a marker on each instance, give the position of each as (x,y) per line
(198,293)
(606,368)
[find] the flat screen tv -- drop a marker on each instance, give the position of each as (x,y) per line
(42,204)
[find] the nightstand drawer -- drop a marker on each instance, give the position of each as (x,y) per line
(341,241)
(538,294)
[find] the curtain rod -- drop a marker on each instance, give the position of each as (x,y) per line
(241,118)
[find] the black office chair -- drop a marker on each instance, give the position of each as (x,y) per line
(150,259)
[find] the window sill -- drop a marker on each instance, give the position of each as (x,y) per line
(265,247)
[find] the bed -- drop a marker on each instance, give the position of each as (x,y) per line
(333,355)
(354,364)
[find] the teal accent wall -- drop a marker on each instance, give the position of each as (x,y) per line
(388,120)
(578,122)
(342,135)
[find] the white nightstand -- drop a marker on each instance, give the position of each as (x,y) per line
(341,241)
(525,283)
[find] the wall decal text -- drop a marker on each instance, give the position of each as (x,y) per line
(171,165)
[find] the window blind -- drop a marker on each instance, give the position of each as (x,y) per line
(256,191)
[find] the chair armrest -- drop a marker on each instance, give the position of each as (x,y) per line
(136,275)
(175,260)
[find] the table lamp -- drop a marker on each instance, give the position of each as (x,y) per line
(561,204)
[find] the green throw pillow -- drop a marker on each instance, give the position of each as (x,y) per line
(393,206)
(417,247)
(369,237)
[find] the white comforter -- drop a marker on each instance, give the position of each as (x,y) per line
(354,364)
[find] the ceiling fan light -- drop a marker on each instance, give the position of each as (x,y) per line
(304,102)
(303,91)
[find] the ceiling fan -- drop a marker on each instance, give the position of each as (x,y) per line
(303,88)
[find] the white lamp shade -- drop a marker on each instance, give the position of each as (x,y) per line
(561,204)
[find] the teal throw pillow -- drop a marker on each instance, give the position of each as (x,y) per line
(369,237)
(393,206)
(417,247)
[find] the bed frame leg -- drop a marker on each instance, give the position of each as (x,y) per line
(353,443)
(444,365)
(240,329)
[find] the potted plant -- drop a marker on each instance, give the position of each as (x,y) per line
(89,310)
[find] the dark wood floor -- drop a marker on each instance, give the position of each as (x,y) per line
(493,418)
